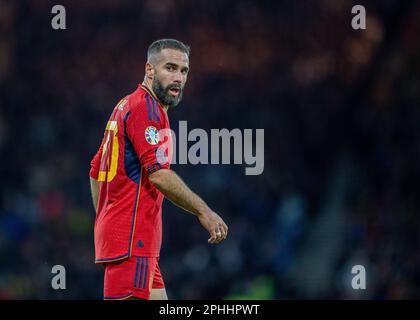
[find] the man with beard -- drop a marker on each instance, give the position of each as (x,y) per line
(130,176)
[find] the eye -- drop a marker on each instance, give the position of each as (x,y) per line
(170,68)
(184,71)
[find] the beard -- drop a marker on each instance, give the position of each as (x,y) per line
(163,93)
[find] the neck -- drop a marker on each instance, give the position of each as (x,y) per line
(148,83)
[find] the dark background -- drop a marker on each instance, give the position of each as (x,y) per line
(340,112)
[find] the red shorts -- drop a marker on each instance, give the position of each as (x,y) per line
(132,277)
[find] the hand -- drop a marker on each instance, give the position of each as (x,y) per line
(217,228)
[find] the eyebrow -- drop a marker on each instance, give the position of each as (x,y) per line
(176,65)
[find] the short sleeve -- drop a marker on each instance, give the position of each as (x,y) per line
(148,139)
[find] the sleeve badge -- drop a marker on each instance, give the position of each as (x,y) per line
(152,135)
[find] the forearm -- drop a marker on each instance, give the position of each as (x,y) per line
(172,186)
(94,189)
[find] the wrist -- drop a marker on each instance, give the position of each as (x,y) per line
(203,211)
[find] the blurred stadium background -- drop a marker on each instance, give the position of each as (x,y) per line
(340,109)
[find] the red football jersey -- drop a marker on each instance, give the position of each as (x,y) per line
(129,213)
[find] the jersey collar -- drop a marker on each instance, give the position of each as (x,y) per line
(149,91)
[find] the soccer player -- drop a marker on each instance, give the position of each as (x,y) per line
(130,176)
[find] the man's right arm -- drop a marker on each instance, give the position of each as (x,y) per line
(94,190)
(93,175)
(172,186)
(137,124)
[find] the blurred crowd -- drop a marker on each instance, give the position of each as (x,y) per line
(327,96)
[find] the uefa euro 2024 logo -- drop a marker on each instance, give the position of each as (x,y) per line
(152,135)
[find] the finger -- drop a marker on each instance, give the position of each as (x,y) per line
(213,236)
(216,236)
(220,234)
(225,231)
(211,240)
(226,227)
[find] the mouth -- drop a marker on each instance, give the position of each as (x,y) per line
(174,91)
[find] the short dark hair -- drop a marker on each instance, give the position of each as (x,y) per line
(158,45)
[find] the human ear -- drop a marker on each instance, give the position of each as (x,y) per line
(150,71)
